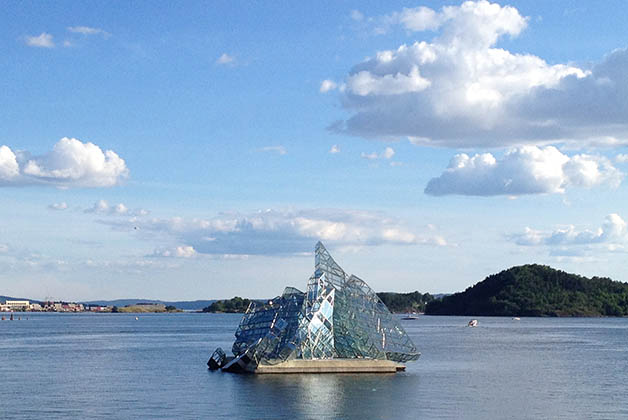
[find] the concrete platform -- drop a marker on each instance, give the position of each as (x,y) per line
(332,366)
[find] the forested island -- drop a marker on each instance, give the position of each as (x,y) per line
(536,290)
(230,306)
(405,302)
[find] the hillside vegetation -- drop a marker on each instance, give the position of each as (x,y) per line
(536,290)
(405,302)
(233,305)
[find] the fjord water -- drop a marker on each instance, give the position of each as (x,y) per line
(57,366)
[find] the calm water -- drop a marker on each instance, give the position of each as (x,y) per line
(112,366)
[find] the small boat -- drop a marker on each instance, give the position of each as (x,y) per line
(410,317)
(473,323)
(516,318)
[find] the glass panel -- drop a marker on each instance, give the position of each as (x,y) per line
(340,316)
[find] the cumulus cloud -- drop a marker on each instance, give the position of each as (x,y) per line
(524,170)
(621,158)
(612,232)
(460,90)
(327,85)
(275,232)
(86,30)
(71,163)
(176,252)
(9,168)
(275,149)
(387,153)
(416,19)
(58,206)
(103,207)
(365,83)
(225,59)
(44,40)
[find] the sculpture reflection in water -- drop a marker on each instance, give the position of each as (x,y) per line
(339,317)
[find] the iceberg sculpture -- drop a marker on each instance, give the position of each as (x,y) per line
(339,318)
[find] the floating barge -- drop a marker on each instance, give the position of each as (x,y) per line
(338,326)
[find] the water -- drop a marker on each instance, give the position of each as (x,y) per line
(112,366)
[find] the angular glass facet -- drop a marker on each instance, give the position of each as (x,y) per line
(339,316)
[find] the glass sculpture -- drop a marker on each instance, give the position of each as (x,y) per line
(339,317)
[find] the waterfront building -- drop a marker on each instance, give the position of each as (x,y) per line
(338,325)
(17,305)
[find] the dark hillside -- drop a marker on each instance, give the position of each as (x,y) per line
(537,290)
(405,302)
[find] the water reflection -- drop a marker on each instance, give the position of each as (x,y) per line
(323,396)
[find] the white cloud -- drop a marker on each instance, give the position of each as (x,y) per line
(120,209)
(327,85)
(58,206)
(621,158)
(225,59)
(9,168)
(365,83)
(357,15)
(71,163)
(86,30)
(524,170)
(460,90)
(415,19)
(613,232)
(276,149)
(44,40)
(176,252)
(369,156)
(275,232)
(334,149)
(387,153)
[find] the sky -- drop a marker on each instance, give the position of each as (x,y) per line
(200,150)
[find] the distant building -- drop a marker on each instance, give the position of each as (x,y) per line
(17,305)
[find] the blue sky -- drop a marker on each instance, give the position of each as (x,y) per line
(201,150)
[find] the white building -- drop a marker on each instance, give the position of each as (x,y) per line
(17,305)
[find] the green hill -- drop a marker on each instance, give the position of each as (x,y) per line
(233,305)
(536,290)
(405,302)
